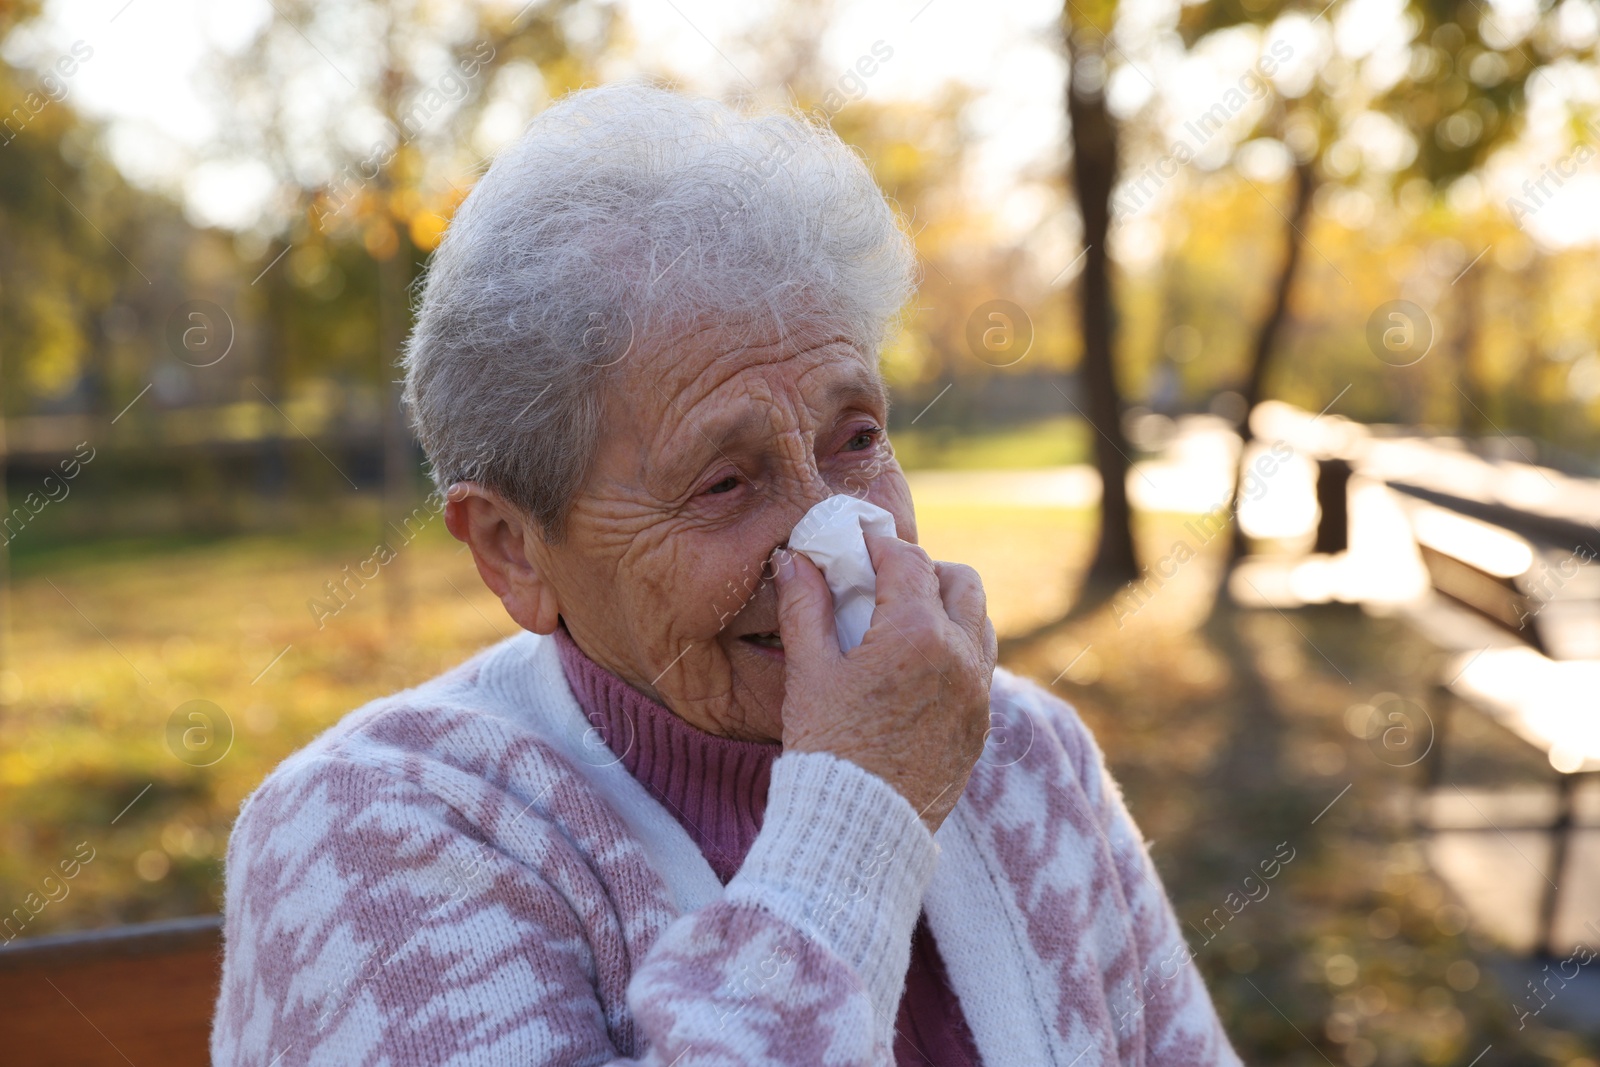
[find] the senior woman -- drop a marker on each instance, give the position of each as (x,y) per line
(672,823)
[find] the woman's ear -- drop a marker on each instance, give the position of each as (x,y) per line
(510,551)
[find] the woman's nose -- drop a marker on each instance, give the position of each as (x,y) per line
(803,484)
(803,488)
(810,489)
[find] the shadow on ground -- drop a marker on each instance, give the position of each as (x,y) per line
(1245,736)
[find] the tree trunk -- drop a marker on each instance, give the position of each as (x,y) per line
(1472,402)
(1267,334)
(5,553)
(273,463)
(394,276)
(1094,171)
(392,283)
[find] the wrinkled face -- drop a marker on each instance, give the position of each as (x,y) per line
(710,452)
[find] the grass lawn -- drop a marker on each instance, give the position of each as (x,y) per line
(1052,442)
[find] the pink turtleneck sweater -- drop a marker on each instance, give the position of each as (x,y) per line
(717,789)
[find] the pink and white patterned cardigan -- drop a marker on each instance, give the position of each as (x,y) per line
(463,873)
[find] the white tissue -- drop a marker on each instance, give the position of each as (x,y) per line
(833,536)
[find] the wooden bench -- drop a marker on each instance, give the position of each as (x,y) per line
(1505,670)
(1524,642)
(131,994)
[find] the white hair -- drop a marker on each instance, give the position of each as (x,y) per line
(621,217)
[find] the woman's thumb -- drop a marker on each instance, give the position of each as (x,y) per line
(805,608)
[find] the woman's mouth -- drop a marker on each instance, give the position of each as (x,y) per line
(766,640)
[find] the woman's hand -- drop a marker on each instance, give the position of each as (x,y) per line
(911,702)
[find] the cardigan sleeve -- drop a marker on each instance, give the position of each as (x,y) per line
(369,920)
(1171,1008)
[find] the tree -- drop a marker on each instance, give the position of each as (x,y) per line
(1093,176)
(920,154)
(375,163)
(1456,100)
(10,15)
(60,272)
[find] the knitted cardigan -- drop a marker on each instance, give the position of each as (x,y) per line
(716,788)
(463,873)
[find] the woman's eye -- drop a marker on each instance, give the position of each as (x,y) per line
(863,440)
(727,484)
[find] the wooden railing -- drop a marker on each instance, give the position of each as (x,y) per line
(131,994)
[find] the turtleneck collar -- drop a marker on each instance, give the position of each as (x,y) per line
(716,787)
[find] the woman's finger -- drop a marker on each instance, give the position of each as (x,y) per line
(805,609)
(961,590)
(904,571)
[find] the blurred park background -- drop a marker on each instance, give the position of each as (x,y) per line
(1348,252)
